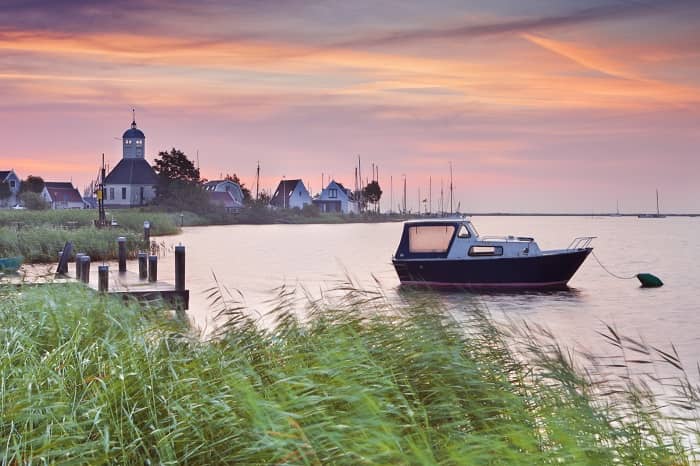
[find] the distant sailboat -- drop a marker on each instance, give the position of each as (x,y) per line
(617,213)
(657,214)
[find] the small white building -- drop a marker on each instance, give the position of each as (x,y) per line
(226,186)
(336,198)
(13,181)
(133,182)
(62,195)
(290,194)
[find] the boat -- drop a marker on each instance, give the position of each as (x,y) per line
(657,214)
(10,264)
(450,253)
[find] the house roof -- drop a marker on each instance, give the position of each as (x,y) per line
(132,171)
(285,187)
(222,198)
(211,185)
(63,194)
(59,184)
(4,174)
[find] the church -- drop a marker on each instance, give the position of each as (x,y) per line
(132,182)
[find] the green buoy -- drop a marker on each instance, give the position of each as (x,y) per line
(649,281)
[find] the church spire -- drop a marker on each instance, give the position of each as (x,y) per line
(133,118)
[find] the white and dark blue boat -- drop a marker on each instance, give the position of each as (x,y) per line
(450,253)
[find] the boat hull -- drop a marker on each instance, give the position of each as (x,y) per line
(548,271)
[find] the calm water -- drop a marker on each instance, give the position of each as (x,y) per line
(256,259)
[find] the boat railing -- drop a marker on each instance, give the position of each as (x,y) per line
(582,242)
(506,238)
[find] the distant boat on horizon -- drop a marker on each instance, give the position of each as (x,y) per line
(657,214)
(617,213)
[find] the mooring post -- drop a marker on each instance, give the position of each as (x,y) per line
(179,268)
(60,269)
(122,254)
(152,268)
(143,265)
(147,232)
(103,278)
(77,264)
(85,269)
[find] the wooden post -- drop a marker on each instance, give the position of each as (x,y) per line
(179,268)
(77,264)
(103,278)
(61,269)
(147,232)
(152,269)
(85,269)
(143,265)
(122,254)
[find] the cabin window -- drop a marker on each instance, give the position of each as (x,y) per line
(463,232)
(430,238)
(477,251)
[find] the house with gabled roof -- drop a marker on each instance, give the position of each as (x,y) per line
(62,195)
(132,182)
(336,198)
(13,182)
(290,194)
(225,186)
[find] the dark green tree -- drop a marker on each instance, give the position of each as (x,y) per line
(33,184)
(33,201)
(175,166)
(372,193)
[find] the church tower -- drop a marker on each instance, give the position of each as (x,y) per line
(133,141)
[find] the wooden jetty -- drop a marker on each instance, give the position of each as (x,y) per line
(143,286)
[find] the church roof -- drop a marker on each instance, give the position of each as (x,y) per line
(133,133)
(132,171)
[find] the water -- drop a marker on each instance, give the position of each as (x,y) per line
(256,259)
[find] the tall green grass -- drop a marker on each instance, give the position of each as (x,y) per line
(85,379)
(129,219)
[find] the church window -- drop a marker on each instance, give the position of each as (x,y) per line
(123,193)
(139,142)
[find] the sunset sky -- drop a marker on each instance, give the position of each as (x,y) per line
(549,105)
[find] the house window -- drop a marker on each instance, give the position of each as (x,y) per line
(476,251)
(123,193)
(12,184)
(111,194)
(333,193)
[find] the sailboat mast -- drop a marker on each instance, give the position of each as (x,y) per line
(451,188)
(657,202)
(257,182)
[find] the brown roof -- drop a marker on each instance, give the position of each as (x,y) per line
(64,194)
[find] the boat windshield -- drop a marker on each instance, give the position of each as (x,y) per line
(430,238)
(471,227)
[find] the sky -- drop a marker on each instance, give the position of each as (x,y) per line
(540,106)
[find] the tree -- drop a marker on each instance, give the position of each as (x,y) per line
(372,193)
(33,184)
(247,197)
(175,166)
(33,201)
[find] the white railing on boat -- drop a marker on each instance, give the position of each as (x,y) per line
(506,238)
(582,242)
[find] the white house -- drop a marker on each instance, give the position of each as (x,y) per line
(336,198)
(226,186)
(62,195)
(290,194)
(132,182)
(13,182)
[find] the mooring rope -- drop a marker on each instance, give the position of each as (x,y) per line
(612,274)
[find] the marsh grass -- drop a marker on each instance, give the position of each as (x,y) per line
(88,379)
(42,234)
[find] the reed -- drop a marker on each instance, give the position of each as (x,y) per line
(128,219)
(88,379)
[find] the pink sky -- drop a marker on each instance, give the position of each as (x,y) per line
(549,106)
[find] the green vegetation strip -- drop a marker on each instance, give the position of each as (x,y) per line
(38,236)
(86,379)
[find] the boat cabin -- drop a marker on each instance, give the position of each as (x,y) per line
(458,239)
